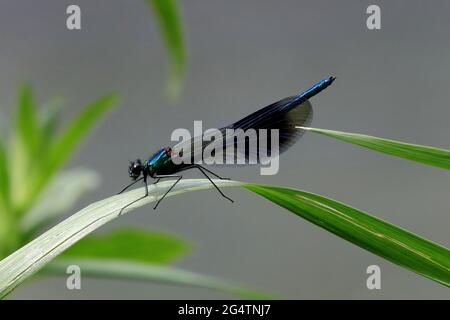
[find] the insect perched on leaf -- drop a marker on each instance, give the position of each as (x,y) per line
(284,115)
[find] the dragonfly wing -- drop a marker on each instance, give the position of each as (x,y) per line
(283,115)
(274,116)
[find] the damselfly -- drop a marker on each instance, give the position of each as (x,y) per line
(284,115)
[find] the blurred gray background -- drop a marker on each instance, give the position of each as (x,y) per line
(243,55)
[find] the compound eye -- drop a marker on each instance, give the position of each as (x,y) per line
(135,169)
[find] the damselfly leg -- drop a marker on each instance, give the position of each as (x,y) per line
(131,184)
(203,169)
(159,177)
(146,194)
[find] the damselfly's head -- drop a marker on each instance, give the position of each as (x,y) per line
(135,169)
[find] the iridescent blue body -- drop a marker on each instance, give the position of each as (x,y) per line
(315,89)
(161,164)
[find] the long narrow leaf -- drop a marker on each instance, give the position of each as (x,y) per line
(60,196)
(27,125)
(168,18)
(23,263)
(432,156)
(386,240)
(50,116)
(65,145)
(129,244)
(23,154)
(6,216)
(153,273)
(382,238)
(4,178)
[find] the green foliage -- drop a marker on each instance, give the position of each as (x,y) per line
(382,238)
(41,194)
(437,157)
(4,177)
(37,151)
(62,193)
(27,126)
(168,18)
(132,245)
(63,147)
(26,161)
(29,259)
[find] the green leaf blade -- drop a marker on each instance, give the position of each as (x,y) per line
(27,125)
(382,238)
(4,178)
(30,258)
(169,21)
(64,146)
(26,136)
(49,118)
(134,245)
(432,156)
(62,149)
(58,197)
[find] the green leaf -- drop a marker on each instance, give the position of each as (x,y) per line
(4,178)
(432,156)
(168,18)
(64,146)
(8,235)
(61,195)
(27,126)
(382,238)
(154,273)
(49,118)
(25,139)
(24,262)
(133,245)
(386,240)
